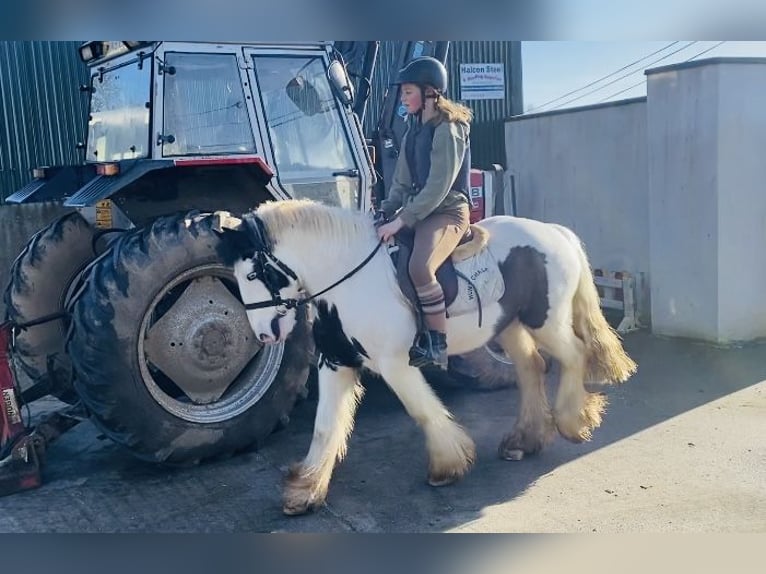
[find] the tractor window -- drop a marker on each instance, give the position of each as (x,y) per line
(205,111)
(118,126)
(312,152)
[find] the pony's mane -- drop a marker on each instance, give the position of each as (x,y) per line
(286,217)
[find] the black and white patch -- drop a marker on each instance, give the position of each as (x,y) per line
(274,279)
(333,345)
(526,288)
(239,245)
(234,246)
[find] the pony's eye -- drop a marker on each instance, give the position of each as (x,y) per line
(272,276)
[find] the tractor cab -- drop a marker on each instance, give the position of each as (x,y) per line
(176,119)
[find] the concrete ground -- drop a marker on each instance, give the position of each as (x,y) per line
(682,448)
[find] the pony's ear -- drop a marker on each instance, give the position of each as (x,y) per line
(257,232)
(224,221)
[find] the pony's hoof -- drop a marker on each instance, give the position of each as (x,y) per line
(297,509)
(521,442)
(438,481)
(452,454)
(511,453)
(577,438)
(580,428)
(447,475)
(301,494)
(298,503)
(577,431)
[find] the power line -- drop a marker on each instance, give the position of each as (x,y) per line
(666,56)
(561,97)
(643,81)
(707,50)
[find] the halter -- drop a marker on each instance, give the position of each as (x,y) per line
(264,263)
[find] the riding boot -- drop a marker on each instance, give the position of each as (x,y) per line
(429,349)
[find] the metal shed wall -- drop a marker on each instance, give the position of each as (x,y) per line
(42,112)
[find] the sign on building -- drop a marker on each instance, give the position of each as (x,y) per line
(482,81)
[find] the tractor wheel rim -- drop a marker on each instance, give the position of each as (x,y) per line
(248,386)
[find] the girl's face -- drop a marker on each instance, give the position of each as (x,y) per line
(411,99)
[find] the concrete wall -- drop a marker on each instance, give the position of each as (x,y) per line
(742,201)
(18,223)
(671,187)
(683,201)
(707,184)
(587,168)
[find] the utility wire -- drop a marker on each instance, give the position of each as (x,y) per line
(561,97)
(665,57)
(643,81)
(707,50)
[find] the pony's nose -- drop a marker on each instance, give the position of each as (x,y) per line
(264,338)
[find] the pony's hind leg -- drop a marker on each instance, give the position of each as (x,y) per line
(576,411)
(451,451)
(307,483)
(534,427)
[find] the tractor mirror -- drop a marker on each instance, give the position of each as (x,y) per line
(340,82)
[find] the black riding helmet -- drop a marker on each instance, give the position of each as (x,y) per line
(424,71)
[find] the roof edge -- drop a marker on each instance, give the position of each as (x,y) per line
(589,107)
(705,62)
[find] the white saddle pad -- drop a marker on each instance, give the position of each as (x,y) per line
(484,272)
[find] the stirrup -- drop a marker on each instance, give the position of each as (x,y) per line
(429,349)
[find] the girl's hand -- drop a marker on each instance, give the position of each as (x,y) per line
(388,230)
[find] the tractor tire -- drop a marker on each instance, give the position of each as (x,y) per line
(41,278)
(164,358)
(484,369)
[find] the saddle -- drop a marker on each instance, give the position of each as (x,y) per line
(474,240)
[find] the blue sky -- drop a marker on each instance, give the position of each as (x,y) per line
(551,69)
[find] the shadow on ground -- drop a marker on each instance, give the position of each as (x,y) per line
(92,485)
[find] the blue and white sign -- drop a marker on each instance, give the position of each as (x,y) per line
(482,81)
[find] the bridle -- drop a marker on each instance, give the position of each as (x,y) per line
(265,265)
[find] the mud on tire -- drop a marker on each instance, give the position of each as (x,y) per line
(127,293)
(40,279)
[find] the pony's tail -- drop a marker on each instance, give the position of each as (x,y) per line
(607,361)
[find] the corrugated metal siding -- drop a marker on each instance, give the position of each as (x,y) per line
(42,112)
(488,131)
(488,128)
(385,68)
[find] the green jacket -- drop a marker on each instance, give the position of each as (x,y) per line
(447,152)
